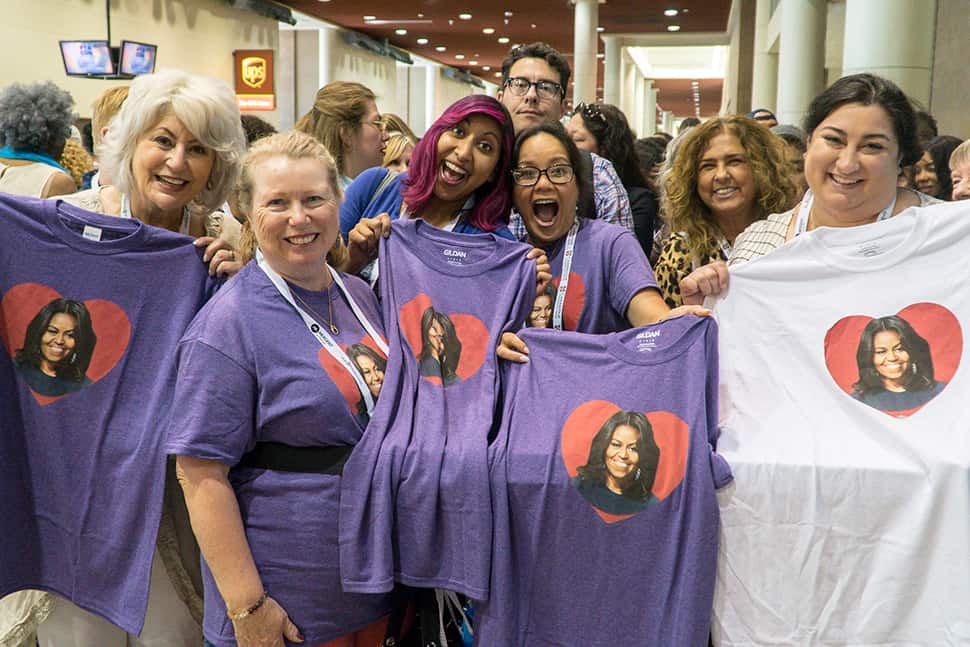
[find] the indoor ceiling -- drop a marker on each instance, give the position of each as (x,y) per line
(475,35)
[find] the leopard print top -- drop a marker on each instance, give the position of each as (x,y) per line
(675,263)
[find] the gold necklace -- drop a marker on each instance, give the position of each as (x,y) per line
(330,323)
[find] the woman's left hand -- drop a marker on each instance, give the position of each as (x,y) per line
(700,311)
(221,257)
(543,269)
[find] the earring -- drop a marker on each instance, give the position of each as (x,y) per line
(912,367)
(73,359)
(208,185)
(637,475)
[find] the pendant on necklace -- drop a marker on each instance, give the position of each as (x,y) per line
(333,329)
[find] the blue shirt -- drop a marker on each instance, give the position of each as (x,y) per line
(360,202)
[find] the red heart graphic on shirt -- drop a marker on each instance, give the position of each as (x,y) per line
(915,352)
(344,380)
(111,326)
(589,420)
(445,329)
(572,307)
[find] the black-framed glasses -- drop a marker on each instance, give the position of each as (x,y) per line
(529,176)
(519,86)
(590,111)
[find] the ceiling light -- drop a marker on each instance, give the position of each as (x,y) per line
(498,74)
(368,18)
(503,40)
(601,29)
(533,25)
(673,27)
(670,12)
(487,68)
(508,14)
(600,55)
(473,62)
(465,16)
(420,15)
(488,30)
(440,48)
(400,32)
(422,41)
(459,56)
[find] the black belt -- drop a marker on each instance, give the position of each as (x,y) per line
(287,458)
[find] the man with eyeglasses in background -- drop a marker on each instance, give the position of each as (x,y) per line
(534,80)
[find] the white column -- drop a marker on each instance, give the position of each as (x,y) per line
(628,95)
(764,82)
(667,122)
(649,117)
(639,103)
(894,39)
(611,70)
(801,57)
(584,51)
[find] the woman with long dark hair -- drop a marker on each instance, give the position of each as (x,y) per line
(619,473)
(57,348)
(440,347)
(895,366)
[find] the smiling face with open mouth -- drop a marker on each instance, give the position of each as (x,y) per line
(548,210)
(466,157)
(170,168)
(724,179)
(852,163)
(295,217)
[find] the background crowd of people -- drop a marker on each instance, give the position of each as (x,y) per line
(651,225)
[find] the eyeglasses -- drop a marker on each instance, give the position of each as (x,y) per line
(590,111)
(519,86)
(529,176)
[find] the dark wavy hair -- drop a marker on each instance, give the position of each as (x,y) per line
(920,375)
(869,90)
(452,345)
(493,198)
(939,149)
(75,366)
(558,131)
(35,117)
(546,52)
(363,350)
(615,140)
(639,485)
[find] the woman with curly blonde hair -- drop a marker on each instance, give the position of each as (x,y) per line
(728,173)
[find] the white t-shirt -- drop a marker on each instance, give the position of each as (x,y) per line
(848,522)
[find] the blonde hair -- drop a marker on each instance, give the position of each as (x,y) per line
(76,160)
(397,143)
(337,111)
(103,110)
(960,155)
(293,145)
(206,107)
(683,210)
(395,124)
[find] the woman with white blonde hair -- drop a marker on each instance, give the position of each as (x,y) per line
(173,153)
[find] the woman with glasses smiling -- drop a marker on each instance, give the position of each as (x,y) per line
(603,279)
(345,119)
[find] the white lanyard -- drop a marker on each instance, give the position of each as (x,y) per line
(322,335)
(801,225)
(183,226)
(567,265)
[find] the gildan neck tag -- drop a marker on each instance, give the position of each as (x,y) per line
(656,343)
(872,247)
(451,253)
(91,232)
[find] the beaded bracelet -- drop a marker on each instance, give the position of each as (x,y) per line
(248,612)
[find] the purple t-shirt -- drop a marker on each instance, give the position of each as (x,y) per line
(608,269)
(103,301)
(415,500)
(249,371)
(603,475)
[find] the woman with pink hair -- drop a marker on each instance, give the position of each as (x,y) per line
(458,180)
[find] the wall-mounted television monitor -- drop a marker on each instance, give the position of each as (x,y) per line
(137,58)
(86,57)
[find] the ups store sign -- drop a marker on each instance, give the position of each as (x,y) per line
(254,79)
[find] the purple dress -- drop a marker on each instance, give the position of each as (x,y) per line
(603,475)
(250,372)
(415,503)
(82,468)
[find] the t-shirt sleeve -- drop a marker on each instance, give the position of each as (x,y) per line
(629,271)
(612,201)
(214,411)
(356,198)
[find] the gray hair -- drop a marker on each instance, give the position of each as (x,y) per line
(205,106)
(35,116)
